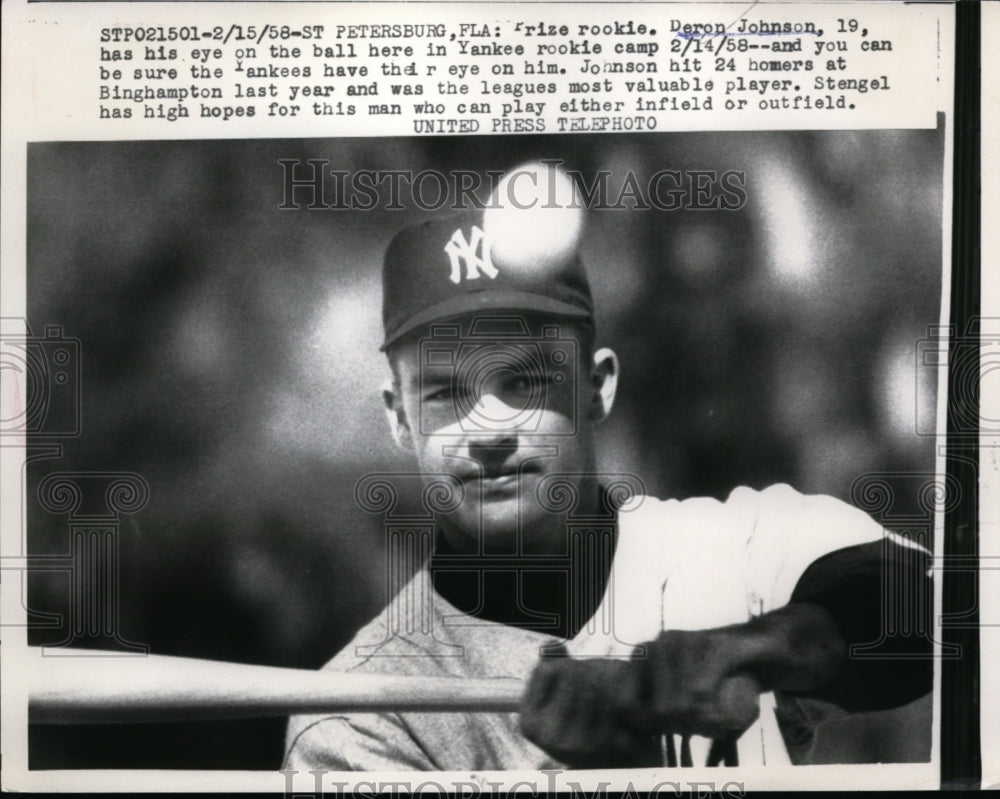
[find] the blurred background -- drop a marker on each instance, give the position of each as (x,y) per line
(229,356)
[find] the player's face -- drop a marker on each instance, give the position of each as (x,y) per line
(509,420)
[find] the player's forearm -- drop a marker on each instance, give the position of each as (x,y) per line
(796,648)
(851,585)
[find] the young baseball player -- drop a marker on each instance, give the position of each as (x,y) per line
(649,632)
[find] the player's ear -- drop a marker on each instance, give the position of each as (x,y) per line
(399,426)
(604,383)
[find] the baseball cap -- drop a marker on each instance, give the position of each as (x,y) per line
(448,266)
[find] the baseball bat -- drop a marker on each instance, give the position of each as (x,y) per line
(90,686)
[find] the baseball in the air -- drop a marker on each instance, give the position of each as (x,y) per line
(534,218)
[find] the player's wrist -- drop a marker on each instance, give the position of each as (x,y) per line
(796,648)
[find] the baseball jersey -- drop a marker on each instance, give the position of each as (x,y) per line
(688,565)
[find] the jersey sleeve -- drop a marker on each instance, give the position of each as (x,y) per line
(876,585)
(818,549)
(701,563)
(353,742)
(788,533)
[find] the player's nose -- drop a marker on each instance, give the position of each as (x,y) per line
(494,415)
(491,422)
(491,415)
(492,452)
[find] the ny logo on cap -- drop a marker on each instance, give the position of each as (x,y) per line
(459,249)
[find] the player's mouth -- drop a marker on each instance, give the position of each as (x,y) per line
(502,479)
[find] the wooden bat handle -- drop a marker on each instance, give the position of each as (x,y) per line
(90,686)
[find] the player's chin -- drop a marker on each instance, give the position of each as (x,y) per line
(499,514)
(540,530)
(496,520)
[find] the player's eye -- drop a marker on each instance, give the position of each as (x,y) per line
(519,383)
(528,383)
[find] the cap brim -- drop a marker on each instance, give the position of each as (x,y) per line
(492,300)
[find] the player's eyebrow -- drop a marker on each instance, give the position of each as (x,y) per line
(429,377)
(440,379)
